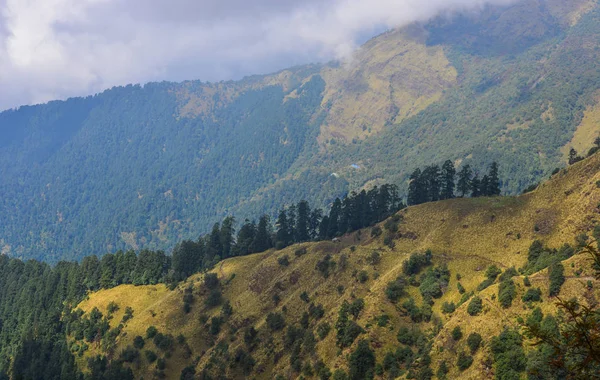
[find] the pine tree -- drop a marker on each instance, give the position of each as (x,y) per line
(262,241)
(464,180)
(493,187)
(303,222)
(226,236)
(431,179)
(416,188)
(283,230)
(476,186)
(246,238)
(484,186)
(335,214)
(448,177)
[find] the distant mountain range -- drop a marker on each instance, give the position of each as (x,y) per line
(138,167)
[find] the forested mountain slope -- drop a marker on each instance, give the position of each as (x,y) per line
(450,282)
(148,166)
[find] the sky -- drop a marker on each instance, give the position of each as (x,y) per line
(54,49)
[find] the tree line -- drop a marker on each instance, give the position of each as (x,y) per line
(434,183)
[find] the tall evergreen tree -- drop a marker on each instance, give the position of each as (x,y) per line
(335,214)
(494,181)
(416,189)
(245,239)
(484,186)
(283,230)
(303,222)
(448,178)
(431,179)
(315,220)
(262,241)
(226,236)
(475,186)
(464,180)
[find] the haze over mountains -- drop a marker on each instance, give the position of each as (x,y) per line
(145,167)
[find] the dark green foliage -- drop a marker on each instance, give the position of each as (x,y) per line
(411,309)
(457,333)
(323,330)
(363,276)
(475,306)
(492,272)
(215,325)
(275,321)
(347,330)
(506,293)
(526,281)
(540,257)
(474,342)
(509,357)
(374,258)
(138,342)
(557,278)
(163,342)
(508,274)
(250,336)
(150,356)
(408,336)
(129,354)
(284,260)
(416,262)
(214,298)
(395,289)
(442,370)
(362,362)
(448,307)
(226,309)
(316,311)
(532,295)
(211,281)
(460,288)
(151,332)
(464,361)
(188,373)
(325,265)
(433,281)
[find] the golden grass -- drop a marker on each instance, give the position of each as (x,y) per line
(586,132)
(467,234)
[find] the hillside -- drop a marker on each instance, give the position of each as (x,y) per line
(467,235)
(145,167)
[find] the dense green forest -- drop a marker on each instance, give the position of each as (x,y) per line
(146,167)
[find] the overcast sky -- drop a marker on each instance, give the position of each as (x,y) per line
(52,49)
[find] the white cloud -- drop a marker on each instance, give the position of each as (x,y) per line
(57,48)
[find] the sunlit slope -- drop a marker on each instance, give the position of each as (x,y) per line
(467,234)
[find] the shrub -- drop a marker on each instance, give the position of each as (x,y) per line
(526,281)
(442,370)
(275,321)
(363,276)
(214,298)
(138,342)
(356,307)
(325,265)
(323,330)
(112,307)
(129,354)
(215,325)
(506,293)
(211,281)
(557,278)
(161,364)
(151,332)
(474,342)
(460,288)
(284,260)
(509,356)
(464,361)
(475,306)
(128,314)
(412,310)
(448,307)
(150,356)
(316,311)
(163,342)
(374,258)
(492,272)
(304,297)
(388,240)
(395,289)
(226,309)
(457,333)
(362,361)
(375,231)
(485,284)
(300,251)
(508,274)
(532,295)
(416,262)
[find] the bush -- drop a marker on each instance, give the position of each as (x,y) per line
(506,293)
(151,332)
(375,231)
(163,342)
(325,265)
(129,354)
(416,262)
(557,278)
(304,297)
(215,325)
(356,307)
(374,258)
(138,342)
(464,361)
(474,342)
(485,284)
(363,276)
(211,281)
(112,307)
(150,356)
(300,252)
(362,361)
(275,321)
(448,307)
(475,306)
(509,356)
(442,370)
(492,272)
(284,260)
(323,330)
(161,364)
(460,288)
(508,274)
(457,333)
(214,298)
(388,240)
(532,295)
(395,289)
(526,281)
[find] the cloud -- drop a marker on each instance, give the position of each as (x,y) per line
(58,48)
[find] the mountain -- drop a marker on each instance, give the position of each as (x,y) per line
(464,238)
(147,166)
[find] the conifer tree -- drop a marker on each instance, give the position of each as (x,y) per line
(262,241)
(475,186)
(464,180)
(416,188)
(283,230)
(448,177)
(494,181)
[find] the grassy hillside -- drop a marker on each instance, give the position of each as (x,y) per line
(468,235)
(144,167)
